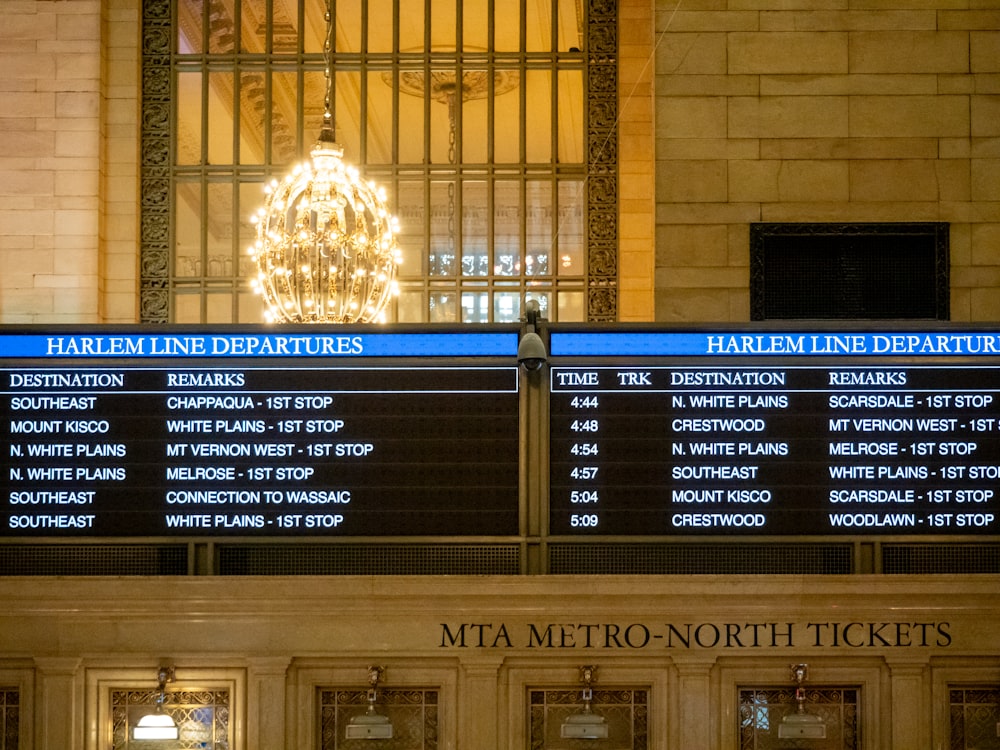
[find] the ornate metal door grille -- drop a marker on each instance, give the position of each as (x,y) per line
(10,718)
(975,718)
(762,709)
(626,711)
(201,715)
(413,713)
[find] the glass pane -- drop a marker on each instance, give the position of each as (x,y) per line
(219,307)
(507,226)
(347,26)
(252,120)
(443,307)
(312,100)
(544,300)
(314,27)
(411,118)
(507,123)
(251,198)
(571,244)
(475,307)
(443,122)
(443,22)
(475,20)
(221,29)
(189,27)
(347,114)
(506,307)
(570,26)
(442,260)
(187,307)
(538,227)
(285,32)
(251,308)
(254,22)
(538,115)
(507,26)
(220,118)
(380,14)
(411,26)
(379,141)
(187,230)
(474,129)
(539,33)
(475,253)
(571,307)
(219,226)
(571,127)
(189,118)
(410,307)
(282,117)
(409,209)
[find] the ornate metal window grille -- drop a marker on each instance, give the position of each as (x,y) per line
(626,711)
(975,718)
(239,99)
(762,709)
(413,713)
(203,717)
(849,271)
(10,718)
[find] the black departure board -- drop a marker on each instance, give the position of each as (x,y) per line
(756,434)
(257,433)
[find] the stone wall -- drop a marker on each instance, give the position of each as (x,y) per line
(50,166)
(822,111)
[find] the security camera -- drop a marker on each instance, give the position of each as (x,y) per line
(531,352)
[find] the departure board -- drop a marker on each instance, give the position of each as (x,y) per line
(755,434)
(259,434)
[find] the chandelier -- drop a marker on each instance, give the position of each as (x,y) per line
(326,247)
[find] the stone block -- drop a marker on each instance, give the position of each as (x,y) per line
(788,117)
(754,181)
(705,148)
(692,182)
(985,116)
(691,117)
(903,180)
(909,116)
(707,85)
(909,52)
(847,20)
(787,52)
(728,21)
(692,54)
(986,180)
(984,52)
(965,20)
(686,305)
(842,85)
(953,179)
(985,244)
(690,245)
(984,305)
(813,180)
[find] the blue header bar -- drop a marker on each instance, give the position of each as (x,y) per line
(780,344)
(252,345)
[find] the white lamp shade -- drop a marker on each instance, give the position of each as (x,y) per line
(156,726)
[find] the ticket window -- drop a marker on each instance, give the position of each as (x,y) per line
(763,709)
(203,717)
(412,714)
(615,717)
(974,717)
